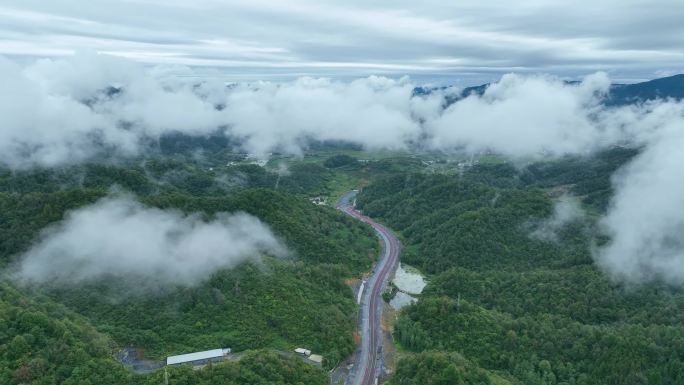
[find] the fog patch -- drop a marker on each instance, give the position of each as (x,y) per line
(281,171)
(229,181)
(119,237)
(566,210)
(645,221)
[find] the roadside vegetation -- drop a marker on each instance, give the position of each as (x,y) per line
(528,309)
(67,334)
(502,305)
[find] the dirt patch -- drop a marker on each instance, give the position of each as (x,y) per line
(357,337)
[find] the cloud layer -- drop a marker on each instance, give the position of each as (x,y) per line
(119,237)
(354,38)
(646,219)
(66,111)
(524,116)
(61,111)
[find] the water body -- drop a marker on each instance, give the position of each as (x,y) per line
(401,300)
(408,280)
(410,283)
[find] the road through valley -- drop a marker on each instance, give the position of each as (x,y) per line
(369,360)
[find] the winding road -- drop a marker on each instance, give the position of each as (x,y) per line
(369,360)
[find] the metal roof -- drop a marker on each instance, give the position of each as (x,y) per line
(303,351)
(316,358)
(179,359)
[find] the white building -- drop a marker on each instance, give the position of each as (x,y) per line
(316,358)
(319,201)
(302,351)
(199,358)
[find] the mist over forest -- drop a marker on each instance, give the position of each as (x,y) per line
(217,193)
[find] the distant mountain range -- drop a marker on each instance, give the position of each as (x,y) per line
(620,94)
(662,88)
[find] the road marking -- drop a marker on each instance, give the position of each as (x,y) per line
(389,259)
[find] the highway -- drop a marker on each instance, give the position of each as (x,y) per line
(368,361)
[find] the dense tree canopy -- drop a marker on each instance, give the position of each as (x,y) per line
(340,160)
(502,306)
(67,334)
(534,310)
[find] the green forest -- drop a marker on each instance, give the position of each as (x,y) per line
(514,307)
(502,305)
(55,334)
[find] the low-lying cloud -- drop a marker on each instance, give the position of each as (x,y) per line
(646,219)
(375,112)
(119,237)
(54,112)
(65,111)
(68,110)
(566,209)
(523,116)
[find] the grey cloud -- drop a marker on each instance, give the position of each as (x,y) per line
(327,37)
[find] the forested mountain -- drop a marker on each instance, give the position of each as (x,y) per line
(670,87)
(422,192)
(54,334)
(204,177)
(531,309)
(662,88)
(508,301)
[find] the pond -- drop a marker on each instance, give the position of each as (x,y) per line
(409,283)
(409,280)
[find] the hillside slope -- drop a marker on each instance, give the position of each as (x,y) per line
(534,309)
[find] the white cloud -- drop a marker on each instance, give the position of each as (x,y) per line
(56,111)
(375,112)
(646,220)
(59,111)
(37,126)
(566,209)
(525,115)
(119,237)
(62,111)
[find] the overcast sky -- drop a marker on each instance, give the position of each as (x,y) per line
(442,41)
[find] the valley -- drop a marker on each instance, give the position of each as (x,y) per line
(502,279)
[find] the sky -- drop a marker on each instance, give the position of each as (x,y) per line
(440,42)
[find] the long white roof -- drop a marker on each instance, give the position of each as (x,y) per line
(179,359)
